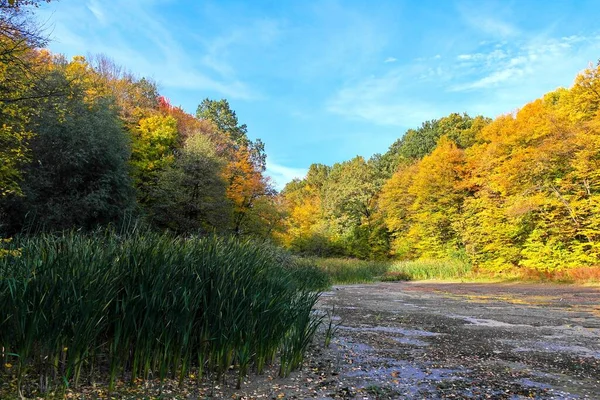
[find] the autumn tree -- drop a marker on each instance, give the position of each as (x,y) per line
(187,124)
(535,184)
(246,162)
(417,143)
(246,185)
(438,198)
(135,98)
(22,83)
(153,145)
(306,228)
(333,211)
(395,204)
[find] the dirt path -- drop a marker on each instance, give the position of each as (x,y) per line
(432,340)
(423,340)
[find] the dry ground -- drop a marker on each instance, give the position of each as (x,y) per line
(422,340)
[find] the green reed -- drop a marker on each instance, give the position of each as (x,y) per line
(77,308)
(429,269)
(350,270)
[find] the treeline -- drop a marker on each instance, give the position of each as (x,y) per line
(85,143)
(518,192)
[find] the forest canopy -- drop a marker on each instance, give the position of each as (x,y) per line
(519,191)
(85,143)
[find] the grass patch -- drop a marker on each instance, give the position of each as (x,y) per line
(428,269)
(349,271)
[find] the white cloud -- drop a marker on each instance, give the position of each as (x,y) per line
(488,18)
(195,80)
(390,60)
(493,26)
(281,174)
(529,64)
(218,49)
(165,59)
(494,79)
(488,58)
(385,100)
(94,7)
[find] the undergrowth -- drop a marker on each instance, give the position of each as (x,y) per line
(350,271)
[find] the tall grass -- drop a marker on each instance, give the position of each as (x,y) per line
(428,269)
(348,271)
(75,307)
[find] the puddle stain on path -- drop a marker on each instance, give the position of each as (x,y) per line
(419,340)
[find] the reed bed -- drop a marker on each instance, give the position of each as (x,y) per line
(349,270)
(77,308)
(428,269)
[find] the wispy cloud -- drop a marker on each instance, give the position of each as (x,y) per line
(281,174)
(496,78)
(498,69)
(136,25)
(95,8)
(384,100)
(488,18)
(492,26)
(523,63)
(331,44)
(218,50)
(390,60)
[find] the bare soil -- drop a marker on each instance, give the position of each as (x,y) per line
(422,340)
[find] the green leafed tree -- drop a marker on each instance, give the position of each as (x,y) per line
(78,173)
(224,118)
(190,195)
(350,200)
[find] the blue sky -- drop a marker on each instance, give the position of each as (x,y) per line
(324,81)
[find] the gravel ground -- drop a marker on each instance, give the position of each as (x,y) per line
(432,340)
